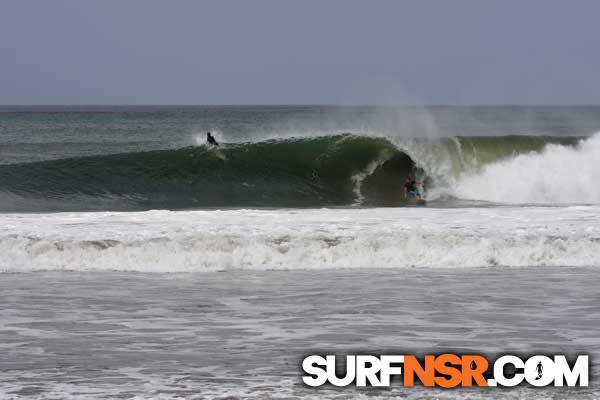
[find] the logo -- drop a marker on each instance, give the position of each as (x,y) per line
(445,370)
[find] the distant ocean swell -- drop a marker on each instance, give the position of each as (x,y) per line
(337,170)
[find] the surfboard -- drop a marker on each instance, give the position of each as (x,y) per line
(417,202)
(219,154)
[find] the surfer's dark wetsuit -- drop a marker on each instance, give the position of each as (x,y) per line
(210,139)
(411,190)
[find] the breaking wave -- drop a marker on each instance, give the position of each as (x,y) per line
(556,175)
(336,170)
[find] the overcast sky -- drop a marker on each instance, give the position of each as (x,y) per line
(299,52)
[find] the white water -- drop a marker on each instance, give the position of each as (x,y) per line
(358,178)
(557,175)
(164,241)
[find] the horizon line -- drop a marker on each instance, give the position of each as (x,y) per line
(312,105)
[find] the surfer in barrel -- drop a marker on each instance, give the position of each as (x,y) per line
(210,139)
(411,190)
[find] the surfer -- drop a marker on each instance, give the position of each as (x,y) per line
(411,190)
(210,139)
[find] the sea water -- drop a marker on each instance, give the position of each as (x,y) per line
(136,263)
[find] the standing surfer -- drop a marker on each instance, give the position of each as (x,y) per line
(210,139)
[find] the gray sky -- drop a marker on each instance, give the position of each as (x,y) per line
(299,52)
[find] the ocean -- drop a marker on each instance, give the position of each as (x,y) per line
(138,262)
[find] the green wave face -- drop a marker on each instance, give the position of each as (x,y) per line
(469,154)
(339,170)
(275,173)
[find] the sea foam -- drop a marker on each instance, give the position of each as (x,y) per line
(556,175)
(164,241)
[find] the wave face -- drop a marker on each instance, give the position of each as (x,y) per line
(321,171)
(187,241)
(338,170)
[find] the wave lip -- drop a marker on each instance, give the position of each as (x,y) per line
(197,241)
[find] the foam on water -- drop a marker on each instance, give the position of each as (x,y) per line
(163,241)
(557,175)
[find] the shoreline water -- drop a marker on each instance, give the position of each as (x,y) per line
(188,241)
(243,333)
